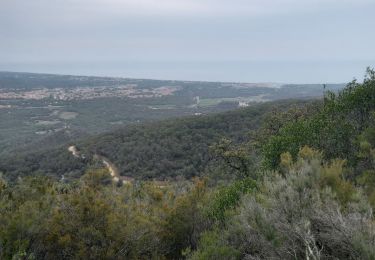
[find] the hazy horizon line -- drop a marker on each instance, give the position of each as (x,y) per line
(169,79)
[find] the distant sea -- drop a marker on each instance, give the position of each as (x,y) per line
(233,71)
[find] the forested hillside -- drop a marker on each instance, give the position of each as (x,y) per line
(302,186)
(178,147)
(171,148)
(44,110)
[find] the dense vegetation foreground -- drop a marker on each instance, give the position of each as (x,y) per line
(301,187)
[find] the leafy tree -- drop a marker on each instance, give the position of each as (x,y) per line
(333,129)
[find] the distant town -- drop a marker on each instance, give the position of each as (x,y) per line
(81,93)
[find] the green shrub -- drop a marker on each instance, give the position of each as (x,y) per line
(227,198)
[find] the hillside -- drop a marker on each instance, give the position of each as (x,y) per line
(170,148)
(311,195)
(36,108)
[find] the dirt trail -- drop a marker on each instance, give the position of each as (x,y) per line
(110,166)
(107,163)
(74,151)
(114,171)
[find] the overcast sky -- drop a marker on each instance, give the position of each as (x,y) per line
(224,40)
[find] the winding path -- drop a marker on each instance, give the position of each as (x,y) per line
(107,163)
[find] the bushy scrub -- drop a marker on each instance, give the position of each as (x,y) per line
(226,199)
(333,129)
(95,219)
(309,212)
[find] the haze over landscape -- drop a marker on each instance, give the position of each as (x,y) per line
(287,41)
(187,129)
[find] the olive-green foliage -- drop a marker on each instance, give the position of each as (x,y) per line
(305,203)
(333,129)
(365,168)
(166,149)
(95,219)
(178,147)
(277,119)
(16,136)
(185,221)
(215,247)
(227,198)
(308,212)
(236,159)
(367,181)
(22,210)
